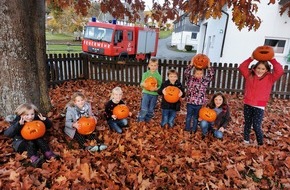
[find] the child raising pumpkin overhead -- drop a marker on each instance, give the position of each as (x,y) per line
(24,133)
(171,91)
(196,86)
(149,92)
(116,112)
(258,85)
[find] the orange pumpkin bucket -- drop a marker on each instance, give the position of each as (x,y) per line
(33,130)
(207,114)
(150,83)
(263,53)
(172,94)
(87,125)
(200,61)
(121,111)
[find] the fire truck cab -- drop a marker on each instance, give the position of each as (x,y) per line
(110,39)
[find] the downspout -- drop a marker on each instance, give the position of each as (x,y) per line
(224,38)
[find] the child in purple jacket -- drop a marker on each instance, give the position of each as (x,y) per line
(197,84)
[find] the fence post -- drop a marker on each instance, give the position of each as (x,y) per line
(85,61)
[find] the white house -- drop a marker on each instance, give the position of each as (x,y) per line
(184,33)
(221,40)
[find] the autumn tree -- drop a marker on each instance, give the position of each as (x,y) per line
(23,75)
(67,20)
(243,11)
(22,55)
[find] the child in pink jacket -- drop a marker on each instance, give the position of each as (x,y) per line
(258,85)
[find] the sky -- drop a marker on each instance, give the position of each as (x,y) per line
(149,4)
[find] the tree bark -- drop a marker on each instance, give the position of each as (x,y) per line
(23,76)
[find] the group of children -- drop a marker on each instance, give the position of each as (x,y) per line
(197,83)
(258,84)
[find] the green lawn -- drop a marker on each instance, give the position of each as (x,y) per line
(58,37)
(164,34)
(63,48)
(62,43)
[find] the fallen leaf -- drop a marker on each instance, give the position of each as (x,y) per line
(259,173)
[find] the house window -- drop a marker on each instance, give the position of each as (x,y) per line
(193,35)
(277,44)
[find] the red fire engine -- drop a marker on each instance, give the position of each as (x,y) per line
(110,39)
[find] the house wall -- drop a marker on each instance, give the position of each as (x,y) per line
(239,45)
(180,39)
(211,38)
(181,35)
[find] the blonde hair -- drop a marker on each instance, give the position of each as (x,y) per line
(23,108)
(73,98)
(115,91)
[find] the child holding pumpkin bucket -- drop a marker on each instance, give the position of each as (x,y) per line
(77,109)
(170,103)
(149,92)
(258,85)
(116,112)
(218,103)
(27,129)
(197,85)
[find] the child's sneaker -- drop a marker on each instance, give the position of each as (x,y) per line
(97,148)
(37,161)
(102,147)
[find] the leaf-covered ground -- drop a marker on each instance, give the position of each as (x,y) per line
(149,157)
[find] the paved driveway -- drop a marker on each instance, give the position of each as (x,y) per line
(164,51)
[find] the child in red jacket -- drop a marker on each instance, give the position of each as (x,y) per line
(258,85)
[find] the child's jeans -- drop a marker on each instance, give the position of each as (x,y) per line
(168,116)
(192,114)
(118,124)
(207,127)
(147,107)
(253,116)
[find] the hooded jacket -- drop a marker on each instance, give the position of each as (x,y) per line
(257,89)
(73,114)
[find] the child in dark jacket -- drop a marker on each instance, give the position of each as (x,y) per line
(258,85)
(218,102)
(116,99)
(169,110)
(26,113)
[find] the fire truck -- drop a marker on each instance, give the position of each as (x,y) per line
(123,41)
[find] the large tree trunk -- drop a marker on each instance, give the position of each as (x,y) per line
(22,55)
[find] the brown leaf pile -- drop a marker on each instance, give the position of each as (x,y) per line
(149,157)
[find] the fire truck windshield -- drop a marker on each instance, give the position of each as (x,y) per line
(98,33)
